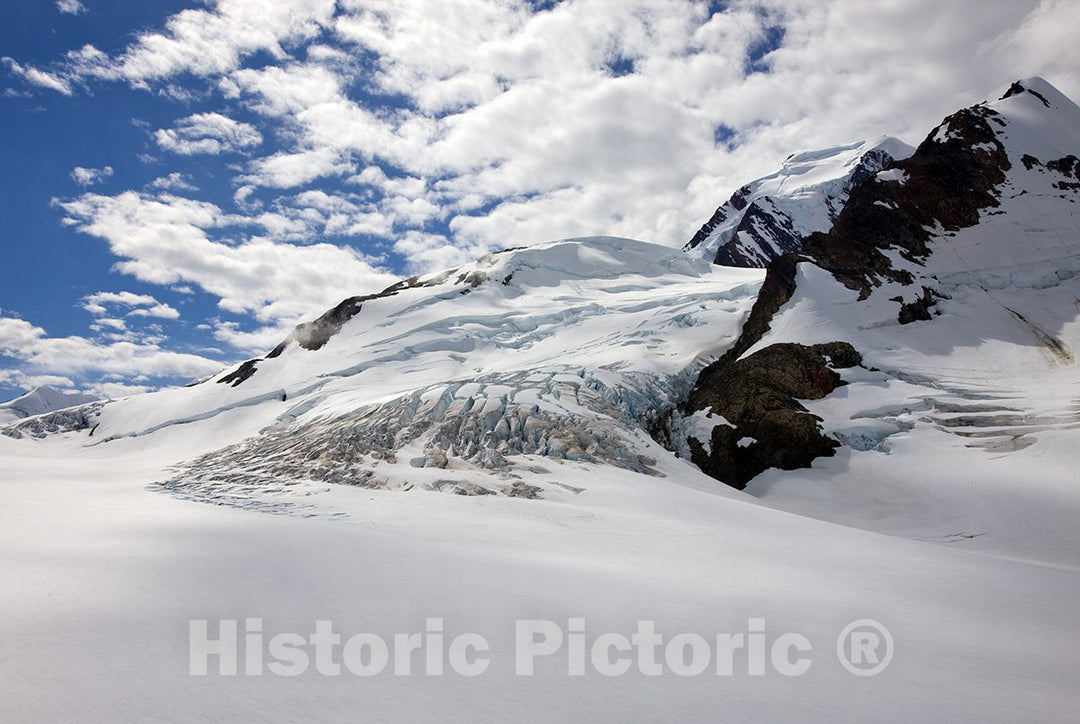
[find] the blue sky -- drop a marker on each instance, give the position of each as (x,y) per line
(184,181)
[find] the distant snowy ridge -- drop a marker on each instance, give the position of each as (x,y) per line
(41,400)
(774,214)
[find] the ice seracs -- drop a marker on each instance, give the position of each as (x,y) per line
(41,400)
(568,351)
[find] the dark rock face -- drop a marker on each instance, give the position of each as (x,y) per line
(241,373)
(737,202)
(765,231)
(1019,87)
(918,310)
(1069,167)
(759,396)
(775,292)
(952,176)
(315,334)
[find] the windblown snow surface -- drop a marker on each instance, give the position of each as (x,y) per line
(474,448)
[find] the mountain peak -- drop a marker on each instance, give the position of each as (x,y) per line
(968,245)
(1041,89)
(776,213)
(40,400)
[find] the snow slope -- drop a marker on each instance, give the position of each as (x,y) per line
(569,350)
(102,576)
(772,215)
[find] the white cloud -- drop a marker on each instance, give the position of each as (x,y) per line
(79,358)
(141,305)
(256,341)
(286,170)
(212,41)
(167,240)
(70,7)
(21,380)
(40,78)
(210,133)
(104,323)
(160,311)
(507,126)
(90,176)
(286,89)
(174,181)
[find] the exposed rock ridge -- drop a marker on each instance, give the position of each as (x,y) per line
(953,175)
(774,215)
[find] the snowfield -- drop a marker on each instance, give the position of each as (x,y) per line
(101,579)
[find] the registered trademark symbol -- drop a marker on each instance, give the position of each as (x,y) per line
(864,647)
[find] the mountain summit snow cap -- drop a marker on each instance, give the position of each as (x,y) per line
(774,214)
(40,400)
(1041,120)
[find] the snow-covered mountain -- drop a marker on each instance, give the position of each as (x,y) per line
(40,400)
(570,350)
(934,327)
(894,407)
(946,285)
(773,215)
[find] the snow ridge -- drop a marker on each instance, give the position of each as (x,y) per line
(774,214)
(41,400)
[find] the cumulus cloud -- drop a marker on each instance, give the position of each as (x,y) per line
(38,77)
(509,124)
(90,176)
(170,240)
(76,357)
(70,7)
(286,170)
(210,133)
(18,379)
(174,181)
(161,311)
(141,305)
(208,41)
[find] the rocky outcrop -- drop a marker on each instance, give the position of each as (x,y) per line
(315,334)
(776,214)
(750,404)
(763,233)
(763,423)
(952,176)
